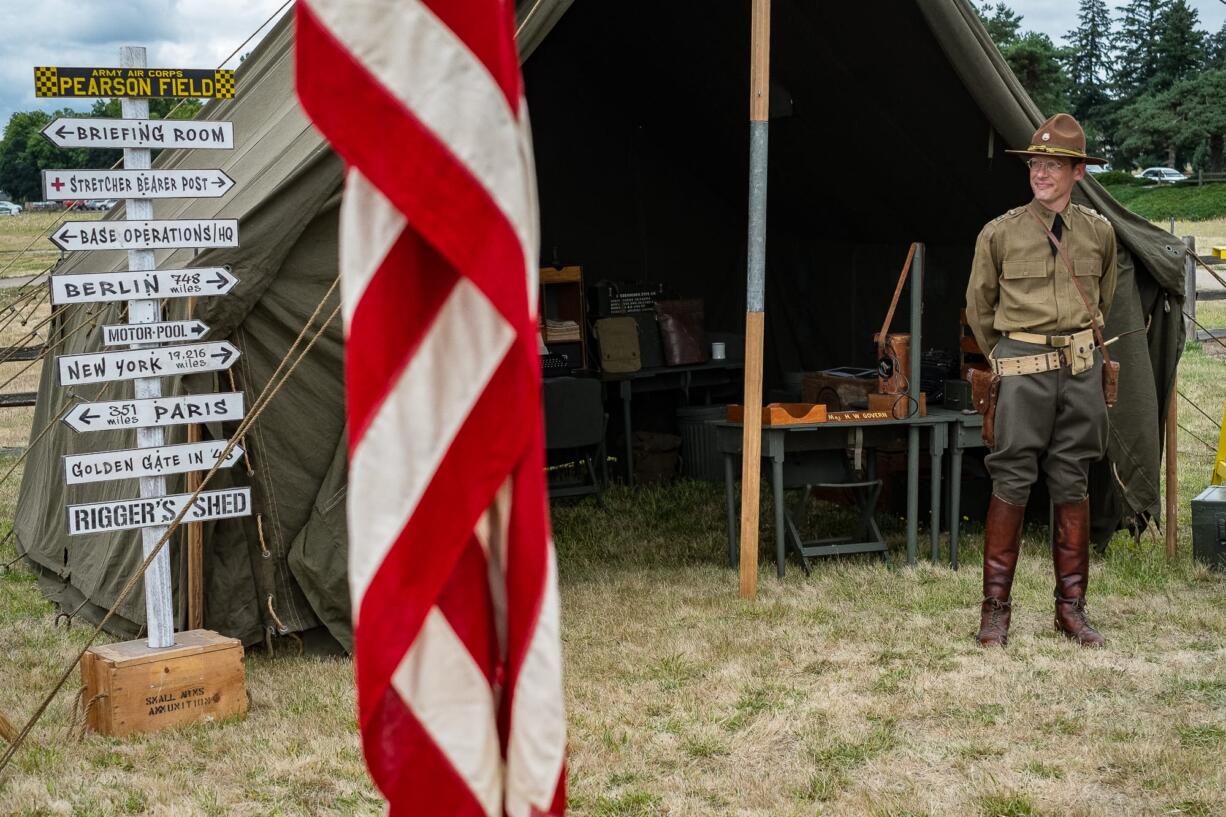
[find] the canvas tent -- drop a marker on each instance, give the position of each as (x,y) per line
(886,129)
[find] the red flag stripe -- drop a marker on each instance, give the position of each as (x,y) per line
(451,570)
(390,322)
(442,196)
(415,568)
(428,785)
(433,404)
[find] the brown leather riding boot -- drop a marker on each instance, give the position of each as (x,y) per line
(1071,554)
(1001,539)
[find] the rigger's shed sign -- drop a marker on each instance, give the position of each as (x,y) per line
(133,82)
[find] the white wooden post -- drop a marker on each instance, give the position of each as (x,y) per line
(159,601)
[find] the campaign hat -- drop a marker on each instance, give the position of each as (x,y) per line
(1060,135)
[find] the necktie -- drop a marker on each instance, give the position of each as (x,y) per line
(1057,229)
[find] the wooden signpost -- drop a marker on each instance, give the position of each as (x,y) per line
(149,685)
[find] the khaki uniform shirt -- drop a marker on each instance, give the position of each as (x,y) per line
(1017,284)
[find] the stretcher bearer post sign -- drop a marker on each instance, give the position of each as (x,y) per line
(142,286)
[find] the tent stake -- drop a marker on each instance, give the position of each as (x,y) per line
(751,444)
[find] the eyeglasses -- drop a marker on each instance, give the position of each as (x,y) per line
(1049,166)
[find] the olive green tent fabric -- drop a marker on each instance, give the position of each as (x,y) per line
(640,131)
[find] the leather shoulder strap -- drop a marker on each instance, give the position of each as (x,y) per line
(889,316)
(1091,311)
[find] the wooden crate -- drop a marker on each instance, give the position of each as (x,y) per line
(837,393)
(783,414)
(132,688)
(899,404)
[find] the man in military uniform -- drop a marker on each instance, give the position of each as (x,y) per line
(1029,318)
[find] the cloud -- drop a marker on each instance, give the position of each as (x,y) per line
(176,34)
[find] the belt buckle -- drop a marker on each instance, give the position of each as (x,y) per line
(1060,341)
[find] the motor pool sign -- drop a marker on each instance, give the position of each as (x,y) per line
(133,83)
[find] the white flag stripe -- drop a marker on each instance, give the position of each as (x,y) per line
(418,421)
(536,749)
(421,62)
(447,692)
(369,227)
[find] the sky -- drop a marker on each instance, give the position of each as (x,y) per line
(1056,18)
(201,33)
(177,34)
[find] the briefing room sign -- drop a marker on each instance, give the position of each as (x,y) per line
(133,82)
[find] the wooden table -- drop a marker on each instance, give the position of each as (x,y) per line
(869,435)
(666,378)
(965,431)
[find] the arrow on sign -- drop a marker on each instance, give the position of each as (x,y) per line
(161,332)
(146,235)
(126,514)
(156,411)
(139,133)
(159,361)
(100,287)
(61,185)
(155,461)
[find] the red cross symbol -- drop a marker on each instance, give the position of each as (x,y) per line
(57,184)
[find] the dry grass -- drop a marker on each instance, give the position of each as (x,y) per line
(1208,233)
(24,248)
(858,691)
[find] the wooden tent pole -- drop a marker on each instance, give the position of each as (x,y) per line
(195,531)
(751,444)
(1172,470)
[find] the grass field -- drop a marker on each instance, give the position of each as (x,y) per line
(24,248)
(859,691)
(1160,202)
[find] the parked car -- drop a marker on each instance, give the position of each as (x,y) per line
(1096,169)
(98,204)
(1162,175)
(7,208)
(43,205)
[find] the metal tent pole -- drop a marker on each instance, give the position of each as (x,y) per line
(755,293)
(913,432)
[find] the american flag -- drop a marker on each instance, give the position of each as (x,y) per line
(451,567)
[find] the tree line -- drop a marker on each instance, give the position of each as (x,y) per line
(25,153)
(1148,84)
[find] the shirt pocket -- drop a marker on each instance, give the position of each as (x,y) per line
(1026,297)
(1089,273)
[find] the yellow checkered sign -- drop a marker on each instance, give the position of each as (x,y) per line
(133,82)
